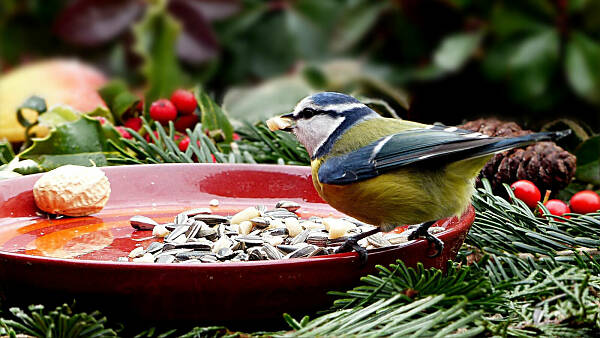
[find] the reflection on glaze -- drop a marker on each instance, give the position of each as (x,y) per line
(72,242)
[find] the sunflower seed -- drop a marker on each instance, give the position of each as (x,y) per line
(378,241)
(183,256)
(154,247)
(180,218)
(142,223)
(260,222)
(271,252)
(301,237)
(291,248)
(249,241)
(225,253)
(277,232)
(288,205)
(208,258)
(256,254)
(180,230)
(165,259)
(318,239)
(306,251)
(199,246)
(280,213)
(193,230)
(197,211)
(212,219)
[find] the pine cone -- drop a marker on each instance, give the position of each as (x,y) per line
(544,163)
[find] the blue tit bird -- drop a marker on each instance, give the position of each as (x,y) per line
(389,172)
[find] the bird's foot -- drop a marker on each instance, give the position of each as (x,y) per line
(423,231)
(351,243)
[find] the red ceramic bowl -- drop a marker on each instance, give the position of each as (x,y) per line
(74,258)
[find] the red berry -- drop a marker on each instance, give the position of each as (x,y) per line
(184,144)
(184,101)
(527,192)
(150,139)
(585,201)
(557,207)
(124,133)
(102,120)
(213,158)
(140,105)
(163,111)
(186,121)
(134,123)
(236,137)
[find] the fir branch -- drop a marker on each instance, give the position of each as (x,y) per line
(61,322)
(163,148)
(510,226)
(272,147)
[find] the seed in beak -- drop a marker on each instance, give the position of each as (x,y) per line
(279,123)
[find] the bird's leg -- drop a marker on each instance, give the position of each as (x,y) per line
(423,231)
(351,243)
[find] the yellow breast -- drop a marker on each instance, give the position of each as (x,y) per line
(410,195)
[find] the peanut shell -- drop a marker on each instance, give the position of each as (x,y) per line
(72,190)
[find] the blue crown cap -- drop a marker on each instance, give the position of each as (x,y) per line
(327,98)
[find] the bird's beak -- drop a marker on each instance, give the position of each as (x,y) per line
(283,122)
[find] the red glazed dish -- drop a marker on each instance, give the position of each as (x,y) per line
(75,258)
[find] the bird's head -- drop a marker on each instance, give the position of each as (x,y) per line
(320,119)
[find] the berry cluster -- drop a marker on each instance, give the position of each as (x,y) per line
(180,108)
(583,202)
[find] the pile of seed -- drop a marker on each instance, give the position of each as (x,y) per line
(255,233)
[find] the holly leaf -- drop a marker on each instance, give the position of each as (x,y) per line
(92,23)
(6,152)
(155,41)
(213,117)
(588,161)
(118,98)
(102,112)
(583,66)
(82,142)
(456,49)
(58,115)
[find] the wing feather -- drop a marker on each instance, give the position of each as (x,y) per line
(434,143)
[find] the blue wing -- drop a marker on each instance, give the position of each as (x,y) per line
(438,143)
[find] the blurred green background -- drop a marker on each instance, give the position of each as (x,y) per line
(437,60)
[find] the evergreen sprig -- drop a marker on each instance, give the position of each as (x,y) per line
(258,145)
(510,226)
(162,148)
(272,147)
(60,322)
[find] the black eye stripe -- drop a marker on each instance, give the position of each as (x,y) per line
(307,113)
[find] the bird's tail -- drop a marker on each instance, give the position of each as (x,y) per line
(519,141)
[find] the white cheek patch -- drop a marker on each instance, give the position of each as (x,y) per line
(314,132)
